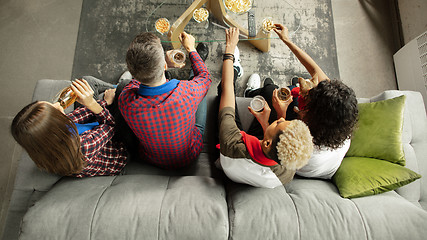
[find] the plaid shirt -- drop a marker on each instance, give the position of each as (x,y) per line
(165,122)
(102,155)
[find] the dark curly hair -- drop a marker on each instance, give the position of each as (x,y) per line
(331,114)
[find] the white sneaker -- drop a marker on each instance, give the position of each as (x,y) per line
(125,75)
(236,63)
(254,82)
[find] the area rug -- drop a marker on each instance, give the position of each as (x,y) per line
(108,26)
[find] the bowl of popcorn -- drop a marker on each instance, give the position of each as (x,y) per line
(200,15)
(267,25)
(238,6)
(162,25)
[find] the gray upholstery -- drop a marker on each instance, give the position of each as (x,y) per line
(414,139)
(199,202)
(130,207)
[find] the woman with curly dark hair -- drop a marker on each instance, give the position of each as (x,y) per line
(328,107)
(331,113)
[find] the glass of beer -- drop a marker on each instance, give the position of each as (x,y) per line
(66,97)
(257,103)
(284,94)
(178,56)
(175,58)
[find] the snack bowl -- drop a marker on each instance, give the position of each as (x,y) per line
(200,15)
(238,6)
(267,25)
(162,25)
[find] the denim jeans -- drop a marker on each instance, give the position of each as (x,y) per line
(201,116)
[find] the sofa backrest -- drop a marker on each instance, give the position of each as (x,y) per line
(414,138)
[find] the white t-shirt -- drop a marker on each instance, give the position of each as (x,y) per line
(324,162)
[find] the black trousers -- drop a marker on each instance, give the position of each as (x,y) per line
(266,92)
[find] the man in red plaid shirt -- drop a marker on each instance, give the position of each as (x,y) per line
(162,112)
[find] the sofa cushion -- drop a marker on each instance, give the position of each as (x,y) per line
(414,142)
(130,207)
(313,209)
(379,131)
(359,177)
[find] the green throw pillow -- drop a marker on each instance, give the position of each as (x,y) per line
(379,131)
(358,177)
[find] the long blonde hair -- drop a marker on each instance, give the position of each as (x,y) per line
(49,137)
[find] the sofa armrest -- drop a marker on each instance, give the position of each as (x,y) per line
(31,183)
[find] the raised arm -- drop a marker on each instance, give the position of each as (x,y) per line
(227,85)
(85,95)
(303,57)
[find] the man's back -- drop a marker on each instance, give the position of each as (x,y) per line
(163,117)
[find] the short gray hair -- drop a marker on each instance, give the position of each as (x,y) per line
(145,58)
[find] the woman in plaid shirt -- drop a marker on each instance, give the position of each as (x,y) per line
(66,144)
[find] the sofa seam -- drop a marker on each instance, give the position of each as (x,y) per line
(96,206)
(361,218)
(296,211)
(161,207)
(230,207)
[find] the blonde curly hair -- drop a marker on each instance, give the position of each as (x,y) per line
(294,145)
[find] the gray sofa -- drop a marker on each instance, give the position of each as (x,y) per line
(201,203)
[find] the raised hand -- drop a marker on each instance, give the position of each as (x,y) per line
(262,116)
(281,31)
(307,84)
(85,95)
(231,39)
(279,105)
(109,95)
(187,41)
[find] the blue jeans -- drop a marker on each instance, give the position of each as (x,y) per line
(201,111)
(201,116)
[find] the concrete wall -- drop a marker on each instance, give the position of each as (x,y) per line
(413,14)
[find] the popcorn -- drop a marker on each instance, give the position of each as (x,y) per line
(162,25)
(200,15)
(238,6)
(267,24)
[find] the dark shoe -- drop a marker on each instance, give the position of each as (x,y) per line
(203,51)
(268,81)
(294,81)
(168,75)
